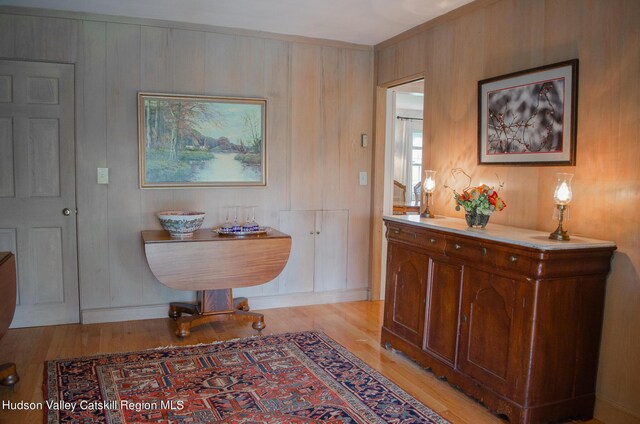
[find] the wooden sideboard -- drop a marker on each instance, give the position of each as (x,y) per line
(512,318)
(8,374)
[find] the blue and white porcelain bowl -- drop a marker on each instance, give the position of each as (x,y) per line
(181,223)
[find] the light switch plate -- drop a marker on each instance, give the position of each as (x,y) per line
(103,175)
(363,178)
(364,140)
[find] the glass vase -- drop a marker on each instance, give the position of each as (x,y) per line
(476,220)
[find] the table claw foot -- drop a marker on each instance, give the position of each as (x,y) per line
(8,374)
(241,304)
(174,314)
(183,329)
(258,325)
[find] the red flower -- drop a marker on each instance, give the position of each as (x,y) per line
(493,197)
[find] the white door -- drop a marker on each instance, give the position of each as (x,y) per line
(37,189)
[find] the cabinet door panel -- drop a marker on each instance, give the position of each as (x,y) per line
(405,293)
(297,276)
(488,331)
(331,228)
(443,299)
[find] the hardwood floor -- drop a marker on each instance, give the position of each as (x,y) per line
(355,325)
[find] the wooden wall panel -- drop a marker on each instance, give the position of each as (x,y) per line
(7,35)
(91,150)
(125,214)
(353,159)
(503,36)
(307,142)
(49,39)
(318,102)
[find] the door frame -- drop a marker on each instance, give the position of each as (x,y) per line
(380,136)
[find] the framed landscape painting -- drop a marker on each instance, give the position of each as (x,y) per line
(529,117)
(201,141)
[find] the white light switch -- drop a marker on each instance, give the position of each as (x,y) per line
(364,140)
(363,178)
(103,175)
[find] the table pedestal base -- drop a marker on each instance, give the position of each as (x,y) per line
(213,305)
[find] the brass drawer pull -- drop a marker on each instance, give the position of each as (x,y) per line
(432,241)
(457,246)
(414,235)
(396,231)
(484,251)
(513,259)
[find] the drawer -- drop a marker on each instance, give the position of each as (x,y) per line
(490,255)
(418,237)
(514,261)
(468,250)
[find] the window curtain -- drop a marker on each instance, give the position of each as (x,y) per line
(402,152)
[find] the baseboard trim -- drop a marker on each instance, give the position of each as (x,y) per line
(611,413)
(134,313)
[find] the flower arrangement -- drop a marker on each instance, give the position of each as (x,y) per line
(478,202)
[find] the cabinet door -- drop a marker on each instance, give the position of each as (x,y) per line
(491,329)
(442,310)
(297,276)
(405,293)
(331,229)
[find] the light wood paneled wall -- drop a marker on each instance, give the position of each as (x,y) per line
(318,103)
(489,38)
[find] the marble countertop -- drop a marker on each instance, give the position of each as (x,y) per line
(502,233)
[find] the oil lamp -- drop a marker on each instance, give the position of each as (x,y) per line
(429,187)
(562,196)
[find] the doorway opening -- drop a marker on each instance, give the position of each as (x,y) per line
(404,145)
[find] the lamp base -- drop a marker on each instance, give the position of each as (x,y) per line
(427,214)
(560,235)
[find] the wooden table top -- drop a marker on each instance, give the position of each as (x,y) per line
(162,236)
(197,263)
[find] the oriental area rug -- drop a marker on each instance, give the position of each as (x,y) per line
(288,378)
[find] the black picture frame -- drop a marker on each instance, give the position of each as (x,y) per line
(529,117)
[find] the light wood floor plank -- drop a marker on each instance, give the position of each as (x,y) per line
(355,325)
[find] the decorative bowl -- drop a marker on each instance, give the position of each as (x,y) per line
(181,223)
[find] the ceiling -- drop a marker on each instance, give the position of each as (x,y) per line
(357,21)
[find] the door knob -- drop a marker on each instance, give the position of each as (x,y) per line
(66,211)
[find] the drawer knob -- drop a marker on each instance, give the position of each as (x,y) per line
(484,251)
(457,246)
(414,235)
(432,241)
(396,231)
(513,258)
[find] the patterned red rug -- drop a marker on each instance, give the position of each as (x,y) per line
(288,378)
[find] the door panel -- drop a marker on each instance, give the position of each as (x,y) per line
(297,276)
(405,293)
(331,228)
(6,158)
(489,330)
(37,181)
(443,298)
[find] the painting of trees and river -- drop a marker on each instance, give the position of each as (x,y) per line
(201,141)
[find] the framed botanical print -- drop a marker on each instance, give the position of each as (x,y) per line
(529,117)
